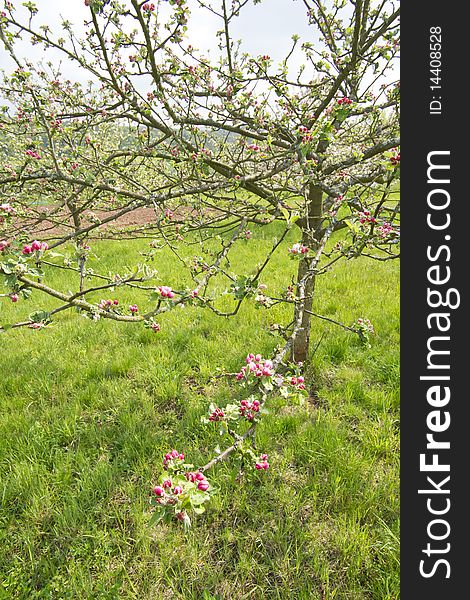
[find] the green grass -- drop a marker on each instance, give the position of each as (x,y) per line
(89,408)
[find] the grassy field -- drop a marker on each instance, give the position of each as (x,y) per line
(89,408)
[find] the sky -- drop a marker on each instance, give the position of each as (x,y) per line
(265,28)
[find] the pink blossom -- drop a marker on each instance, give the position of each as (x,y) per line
(7,208)
(262,463)
(106,304)
(14,297)
(36,245)
(177,490)
(298,382)
(32,154)
(27,250)
(366,217)
(155,327)
(256,365)
(168,213)
(203,486)
(165,291)
(134,308)
(248,409)
(167,483)
(298,249)
(385,230)
(3,245)
(172,456)
(158,491)
(217,415)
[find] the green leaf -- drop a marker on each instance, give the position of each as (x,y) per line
(156,518)
(354,228)
(6,268)
(36,272)
(199,498)
(40,316)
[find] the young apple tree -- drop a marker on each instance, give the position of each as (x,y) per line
(214,144)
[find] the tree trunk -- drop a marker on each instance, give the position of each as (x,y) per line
(310,226)
(302,340)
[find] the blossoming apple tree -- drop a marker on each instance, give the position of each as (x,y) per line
(213,146)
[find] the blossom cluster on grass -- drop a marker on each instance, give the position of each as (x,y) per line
(181,489)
